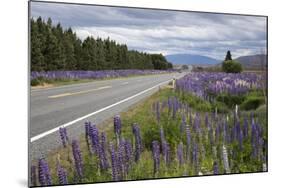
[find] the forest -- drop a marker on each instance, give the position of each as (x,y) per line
(56,48)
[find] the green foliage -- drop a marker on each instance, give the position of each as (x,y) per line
(35,82)
(231,66)
(160,62)
(53,48)
(220,107)
(38,81)
(231,100)
(252,102)
(195,102)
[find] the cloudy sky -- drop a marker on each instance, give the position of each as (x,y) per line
(159,31)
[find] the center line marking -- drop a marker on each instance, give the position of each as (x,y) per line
(93,113)
(77,93)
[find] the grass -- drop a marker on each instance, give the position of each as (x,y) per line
(143,114)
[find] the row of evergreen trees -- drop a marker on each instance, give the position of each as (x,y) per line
(53,48)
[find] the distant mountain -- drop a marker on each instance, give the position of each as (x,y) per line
(191,59)
(252,61)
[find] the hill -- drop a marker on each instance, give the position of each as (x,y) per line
(191,59)
(252,61)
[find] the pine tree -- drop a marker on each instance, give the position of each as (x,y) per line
(53,48)
(53,53)
(68,42)
(228,56)
(37,58)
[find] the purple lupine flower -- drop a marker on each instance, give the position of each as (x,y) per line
(170,105)
(204,85)
(44,173)
(225,160)
(232,134)
(62,175)
(217,134)
(190,118)
(245,127)
(188,142)
(216,168)
(87,136)
(183,124)
(138,142)
(260,147)
(77,158)
(180,154)
(117,125)
(99,74)
(63,136)
(47,174)
(206,119)
(197,124)
(102,152)
(237,131)
(87,132)
(114,163)
(240,139)
(41,172)
(33,176)
(254,133)
(195,158)
(128,155)
(121,159)
(156,155)
(166,152)
(94,134)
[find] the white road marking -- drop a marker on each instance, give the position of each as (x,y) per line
(93,113)
(78,92)
(124,83)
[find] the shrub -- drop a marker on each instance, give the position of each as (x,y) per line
(252,103)
(35,82)
(231,66)
(231,100)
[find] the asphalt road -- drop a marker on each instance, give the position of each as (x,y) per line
(70,106)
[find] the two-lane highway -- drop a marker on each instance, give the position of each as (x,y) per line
(70,106)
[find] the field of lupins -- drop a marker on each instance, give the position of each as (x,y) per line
(165,137)
(93,74)
(206,85)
